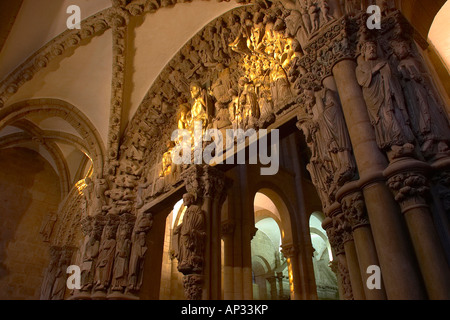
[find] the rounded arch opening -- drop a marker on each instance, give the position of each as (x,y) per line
(270,270)
(326,280)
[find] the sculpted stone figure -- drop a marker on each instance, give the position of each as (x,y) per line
(47,226)
(333,131)
(301,9)
(428,120)
(88,193)
(200,107)
(222,119)
(248,101)
(191,238)
(385,103)
(59,287)
(138,251)
(314,14)
(325,9)
(104,264)
(90,249)
(98,197)
(350,6)
(280,87)
(50,273)
(319,166)
(122,254)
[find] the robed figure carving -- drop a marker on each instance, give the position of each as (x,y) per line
(90,250)
(104,265)
(385,102)
(123,252)
(138,251)
(50,273)
(191,238)
(333,131)
(428,119)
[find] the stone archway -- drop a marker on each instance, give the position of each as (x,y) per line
(323,103)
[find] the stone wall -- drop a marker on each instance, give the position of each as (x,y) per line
(29,190)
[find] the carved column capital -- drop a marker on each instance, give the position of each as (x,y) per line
(227,228)
(336,42)
(205,181)
(408,182)
(289,250)
(354,209)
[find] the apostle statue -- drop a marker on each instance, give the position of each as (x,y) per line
(385,102)
(104,265)
(191,237)
(59,287)
(50,273)
(333,131)
(90,249)
(138,251)
(123,252)
(428,119)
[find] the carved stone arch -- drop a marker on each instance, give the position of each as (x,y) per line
(156,116)
(66,111)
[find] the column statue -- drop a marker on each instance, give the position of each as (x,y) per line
(385,102)
(428,119)
(191,238)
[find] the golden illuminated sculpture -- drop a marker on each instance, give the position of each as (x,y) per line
(199,108)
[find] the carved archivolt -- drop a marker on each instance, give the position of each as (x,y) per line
(243,70)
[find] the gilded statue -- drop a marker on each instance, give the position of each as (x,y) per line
(199,109)
(184,115)
(249,103)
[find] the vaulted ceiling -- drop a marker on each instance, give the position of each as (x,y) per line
(82,78)
(75,85)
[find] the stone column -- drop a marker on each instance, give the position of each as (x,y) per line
(406,178)
(228,265)
(209,185)
(353,206)
(335,238)
(291,253)
(397,261)
(273,287)
(440,191)
(343,232)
